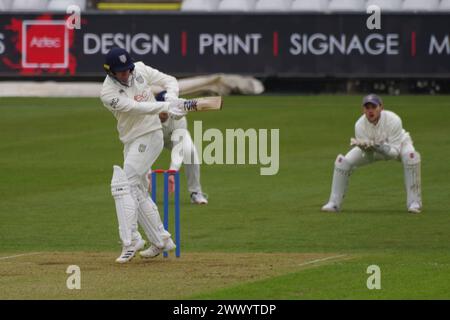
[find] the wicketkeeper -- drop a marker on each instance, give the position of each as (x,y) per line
(127,94)
(379,135)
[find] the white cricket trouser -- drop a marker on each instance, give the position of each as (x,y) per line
(140,154)
(344,166)
(188,156)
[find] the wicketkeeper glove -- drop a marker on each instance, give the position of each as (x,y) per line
(362,144)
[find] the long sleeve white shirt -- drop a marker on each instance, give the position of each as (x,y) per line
(134,106)
(388,130)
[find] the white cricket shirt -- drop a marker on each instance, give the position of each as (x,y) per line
(135,107)
(388,130)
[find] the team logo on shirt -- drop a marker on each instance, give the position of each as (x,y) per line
(140,79)
(114,102)
(142,148)
(141,97)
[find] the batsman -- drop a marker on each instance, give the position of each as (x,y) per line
(127,93)
(379,135)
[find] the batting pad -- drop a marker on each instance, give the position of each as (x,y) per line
(149,218)
(125,205)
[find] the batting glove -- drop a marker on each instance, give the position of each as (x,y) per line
(164,96)
(176,109)
(161,96)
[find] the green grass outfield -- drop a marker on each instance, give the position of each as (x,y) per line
(261,237)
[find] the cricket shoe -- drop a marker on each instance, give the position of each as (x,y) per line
(154,251)
(138,244)
(414,208)
(128,252)
(330,207)
(199,198)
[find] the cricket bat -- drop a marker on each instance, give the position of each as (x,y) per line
(203,104)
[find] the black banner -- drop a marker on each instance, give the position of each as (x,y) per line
(280,45)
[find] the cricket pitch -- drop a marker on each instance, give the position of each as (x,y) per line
(43,275)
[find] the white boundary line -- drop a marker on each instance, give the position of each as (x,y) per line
(321,260)
(19,255)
